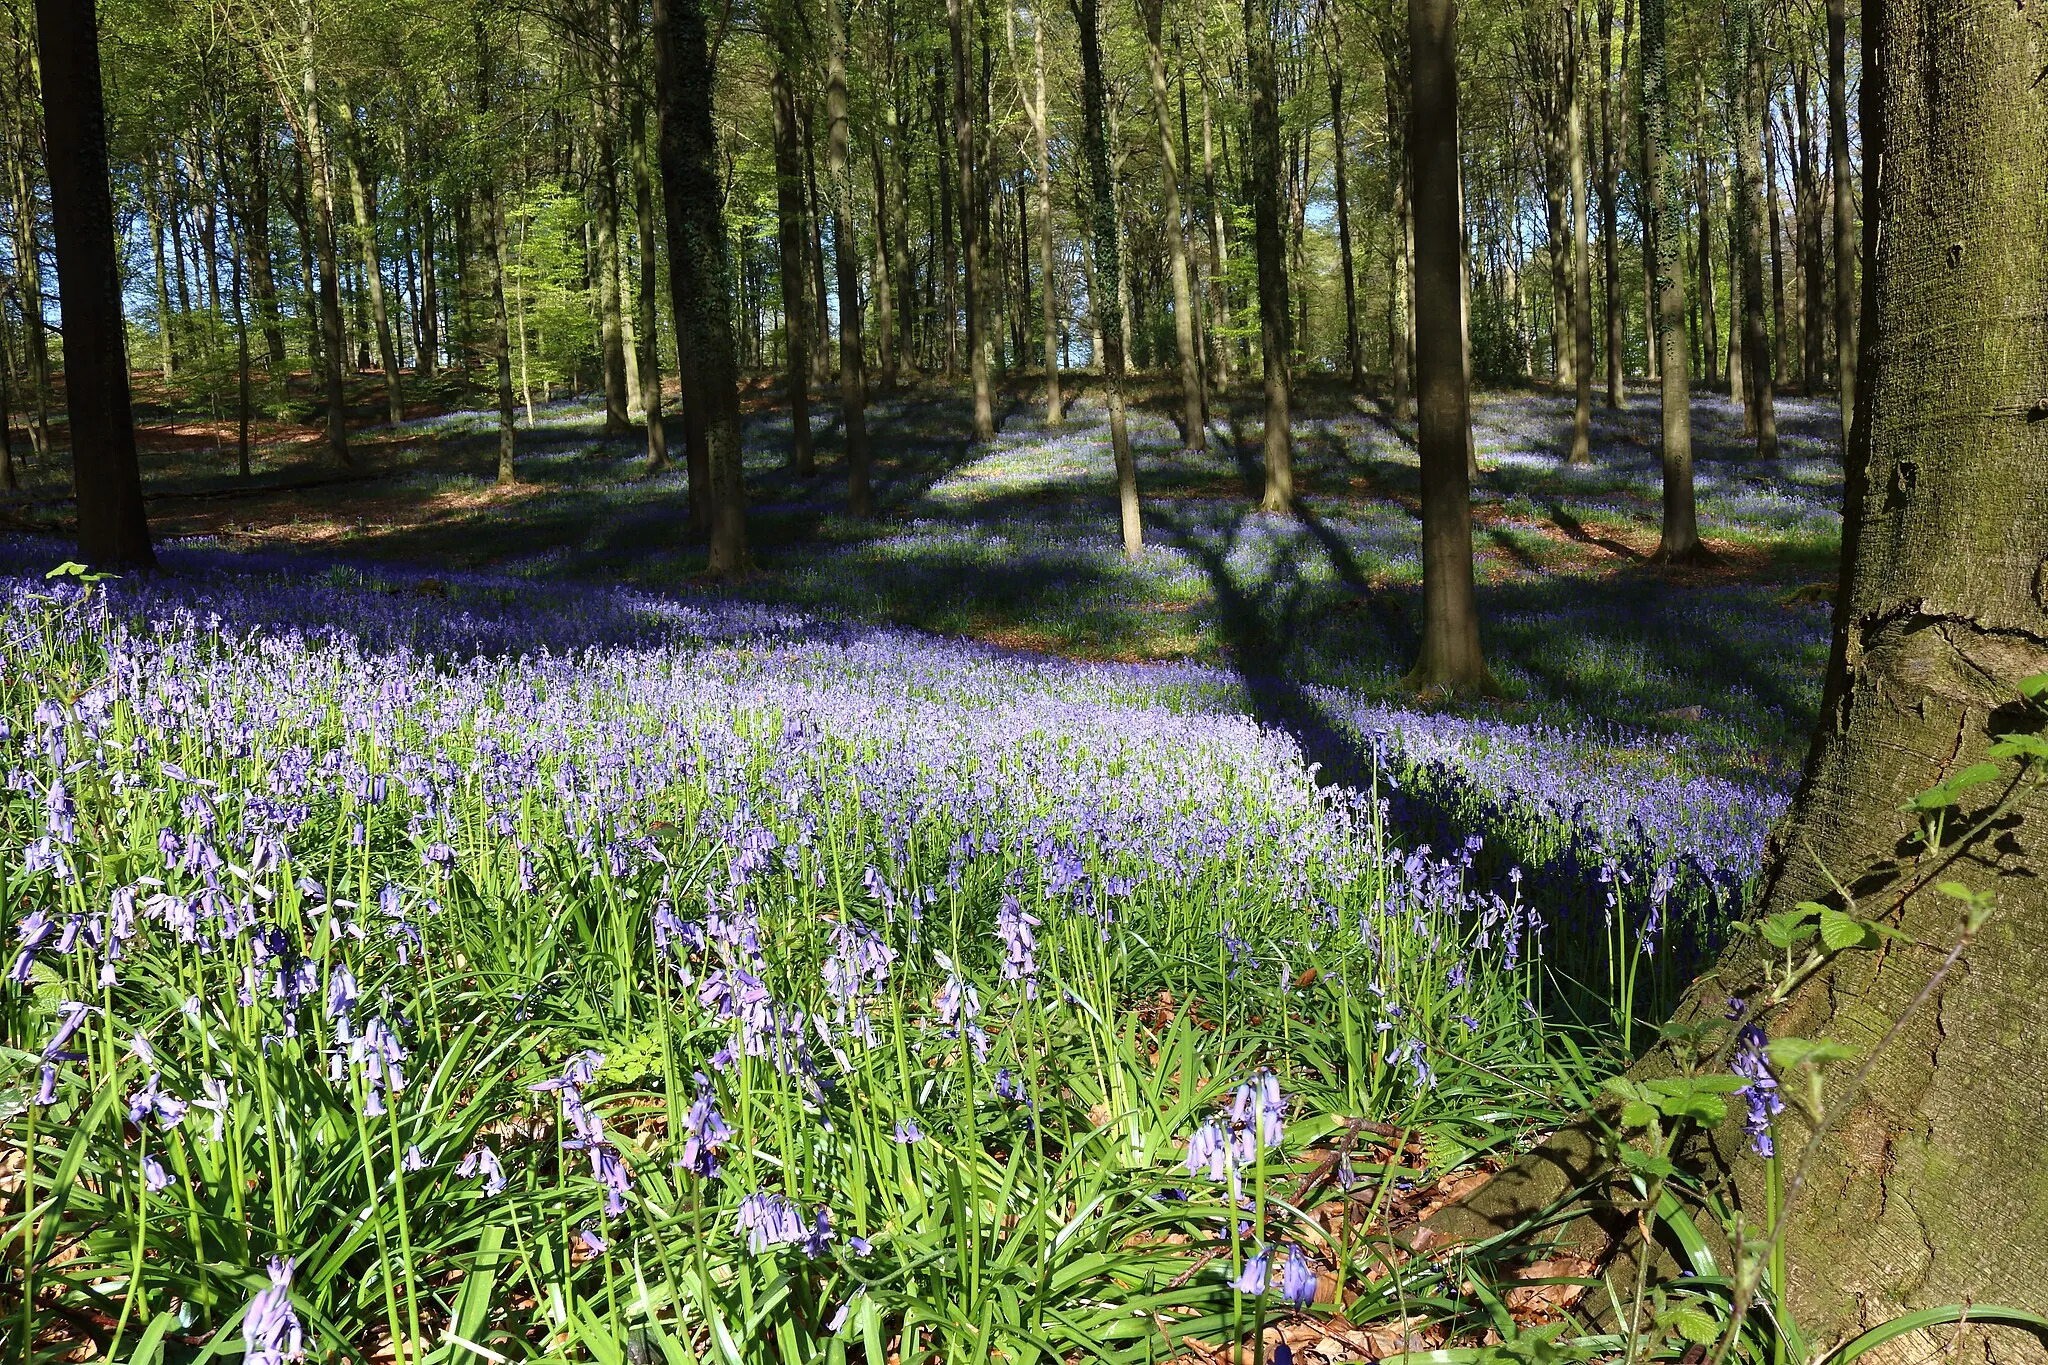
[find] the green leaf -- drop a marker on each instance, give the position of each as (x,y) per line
(1789,1054)
(1948,793)
(2034,688)
(1840,932)
(1649,1165)
(2020,746)
(1935,1317)
(1786,929)
(1636,1114)
(1696,1327)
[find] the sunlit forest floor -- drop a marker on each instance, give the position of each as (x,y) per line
(1015,544)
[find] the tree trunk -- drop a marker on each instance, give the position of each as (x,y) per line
(320,203)
(853,379)
(152,206)
(1845,210)
(970,225)
(821,313)
(1680,541)
(373,274)
(1102,292)
(1610,244)
(113,530)
(883,288)
(1710,325)
(28,280)
(1354,358)
(1582,261)
(1224,347)
(649,319)
(1749,175)
(789,235)
(262,278)
(1260,20)
(1192,434)
(699,267)
(495,253)
(1055,406)
(1450,660)
(1400,218)
(1925,1188)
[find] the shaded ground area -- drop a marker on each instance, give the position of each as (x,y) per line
(1014,542)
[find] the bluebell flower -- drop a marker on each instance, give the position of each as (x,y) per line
(908,1132)
(154,1176)
(1257,1274)
(271,1333)
(1760,1093)
(1298,1279)
(706,1131)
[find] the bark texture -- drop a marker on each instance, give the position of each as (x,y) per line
(1933,1189)
(789,237)
(1260,20)
(1451,661)
(1103,292)
(1680,540)
(113,532)
(700,269)
(970,225)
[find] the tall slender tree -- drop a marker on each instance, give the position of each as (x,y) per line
(1582,256)
(113,529)
(1844,188)
(1261,20)
(853,380)
(1104,293)
(789,236)
(1680,541)
(1192,434)
(700,271)
(970,214)
(1450,660)
(1746,98)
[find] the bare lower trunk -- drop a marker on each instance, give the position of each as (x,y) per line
(1108,270)
(113,531)
(373,276)
(1845,211)
(1680,540)
(789,234)
(1222,348)
(700,270)
(970,226)
(853,380)
(1450,659)
(1582,264)
(1192,435)
(1260,20)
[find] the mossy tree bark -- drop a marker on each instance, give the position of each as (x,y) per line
(1933,1187)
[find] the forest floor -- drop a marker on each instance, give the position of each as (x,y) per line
(1014,543)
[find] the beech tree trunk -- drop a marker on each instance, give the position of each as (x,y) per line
(495,254)
(1451,660)
(970,225)
(1749,177)
(1192,434)
(1103,292)
(1845,208)
(649,322)
(853,379)
(700,270)
(1041,133)
(1680,540)
(1260,20)
(789,236)
(1610,243)
(373,274)
(1354,359)
(1929,1190)
(320,215)
(1582,262)
(113,531)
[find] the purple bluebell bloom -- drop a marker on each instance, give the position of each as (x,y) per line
(1257,1275)
(270,1328)
(1760,1093)
(1298,1279)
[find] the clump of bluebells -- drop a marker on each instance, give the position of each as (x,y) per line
(397,974)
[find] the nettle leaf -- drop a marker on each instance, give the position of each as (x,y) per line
(1948,793)
(1636,1114)
(1649,1165)
(2034,688)
(1789,1054)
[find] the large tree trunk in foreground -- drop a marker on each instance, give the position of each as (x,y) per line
(1930,1190)
(700,271)
(1451,661)
(1669,352)
(1105,292)
(1260,21)
(113,532)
